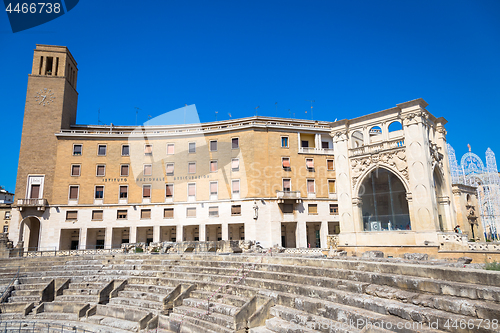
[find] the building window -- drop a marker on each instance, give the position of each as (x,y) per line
(148,150)
(97,215)
(285,161)
(75,170)
(125,150)
(7,215)
(101,150)
(331,186)
(123,191)
(146,191)
(235,164)
(99,192)
(235,143)
(101,170)
(145,214)
(312,209)
(310,164)
(169,190)
(5,228)
(77,150)
(236,186)
(284,142)
(334,209)
(305,144)
(71,215)
(191,212)
(213,188)
(148,169)
(192,147)
(191,190)
(169,169)
(192,167)
(213,166)
(329,165)
(170,149)
(213,145)
(235,210)
(121,215)
(287,185)
(310,186)
(168,213)
(213,211)
(73,192)
(124,170)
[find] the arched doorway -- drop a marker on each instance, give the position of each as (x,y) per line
(384,204)
(30,232)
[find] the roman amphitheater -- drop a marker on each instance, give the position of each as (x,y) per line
(236,286)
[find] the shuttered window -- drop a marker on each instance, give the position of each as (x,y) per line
(101,150)
(235,164)
(191,190)
(213,211)
(331,186)
(97,215)
(170,169)
(148,169)
(123,192)
(125,150)
(286,162)
(312,209)
(310,186)
(77,149)
(192,167)
(71,215)
(146,191)
(235,143)
(148,150)
(310,163)
(235,210)
(124,170)
(170,149)
(121,214)
(99,192)
(213,188)
(169,191)
(329,165)
(168,213)
(236,186)
(191,212)
(101,170)
(287,185)
(73,192)
(75,170)
(213,145)
(145,214)
(213,166)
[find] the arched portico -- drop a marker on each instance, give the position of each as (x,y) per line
(29,233)
(383,201)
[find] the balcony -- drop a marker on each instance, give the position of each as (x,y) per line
(39,204)
(317,151)
(377,147)
(288,195)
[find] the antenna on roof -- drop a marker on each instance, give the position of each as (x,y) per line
(99,116)
(256,110)
(312,101)
(136,113)
(216,115)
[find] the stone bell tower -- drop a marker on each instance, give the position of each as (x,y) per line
(51,102)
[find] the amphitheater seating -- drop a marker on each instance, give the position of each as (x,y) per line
(212,293)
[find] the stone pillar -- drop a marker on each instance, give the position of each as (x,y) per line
(225,231)
(301,235)
(179,232)
(424,205)
(108,237)
(202,232)
(82,242)
(348,226)
(156,233)
(323,233)
(133,235)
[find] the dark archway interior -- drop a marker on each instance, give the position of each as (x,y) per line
(385,206)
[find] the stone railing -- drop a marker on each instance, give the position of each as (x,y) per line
(319,151)
(57,253)
(487,246)
(288,195)
(377,147)
(303,250)
(38,203)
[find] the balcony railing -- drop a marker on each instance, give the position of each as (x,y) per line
(37,203)
(319,151)
(292,195)
(377,147)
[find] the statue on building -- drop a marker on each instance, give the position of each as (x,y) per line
(255,210)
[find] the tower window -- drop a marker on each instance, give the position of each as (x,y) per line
(48,65)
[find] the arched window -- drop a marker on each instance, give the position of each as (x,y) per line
(375,134)
(357,139)
(395,126)
(384,204)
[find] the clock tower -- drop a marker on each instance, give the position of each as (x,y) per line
(51,102)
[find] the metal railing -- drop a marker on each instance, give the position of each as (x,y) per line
(38,327)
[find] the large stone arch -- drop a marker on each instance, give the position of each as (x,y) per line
(30,231)
(383,200)
(379,165)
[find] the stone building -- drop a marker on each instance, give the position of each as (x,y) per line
(6,200)
(377,180)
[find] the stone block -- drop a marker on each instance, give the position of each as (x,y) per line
(416,256)
(372,254)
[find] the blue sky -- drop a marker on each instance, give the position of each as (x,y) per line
(351,57)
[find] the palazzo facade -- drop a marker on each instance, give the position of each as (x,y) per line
(380,179)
